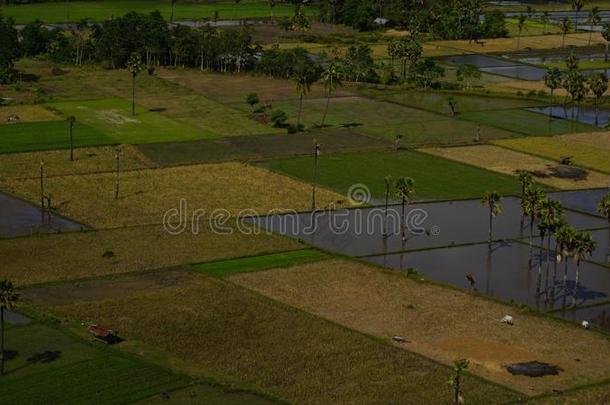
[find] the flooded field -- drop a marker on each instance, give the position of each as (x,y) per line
(18,218)
(502,67)
(585,115)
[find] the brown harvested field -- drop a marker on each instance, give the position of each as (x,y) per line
(510,162)
(441,323)
(147,195)
(526,42)
(27,113)
(234,88)
(596,139)
(596,395)
(272,33)
(78,255)
(209,327)
(524,86)
(57,162)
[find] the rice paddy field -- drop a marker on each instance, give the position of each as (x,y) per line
(553,148)
(340,172)
(510,162)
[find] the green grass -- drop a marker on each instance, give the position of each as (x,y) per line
(248,264)
(209,395)
(526,122)
(435,178)
(53,12)
(47,135)
(386,120)
(74,372)
(113,117)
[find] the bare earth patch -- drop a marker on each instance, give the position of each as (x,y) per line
(440,323)
(77,255)
(27,113)
(57,162)
(510,162)
(147,195)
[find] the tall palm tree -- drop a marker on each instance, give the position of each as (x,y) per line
(526,180)
(304,74)
(388,190)
(331,79)
(545,18)
(492,200)
(8,298)
(565,28)
(521,20)
(549,215)
(565,237)
(584,245)
(593,19)
(574,84)
(71,121)
(134,66)
(598,84)
(552,80)
(606,35)
(530,205)
(404,189)
(577,5)
(554,219)
(604,209)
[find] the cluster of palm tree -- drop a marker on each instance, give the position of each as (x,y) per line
(404,189)
(577,86)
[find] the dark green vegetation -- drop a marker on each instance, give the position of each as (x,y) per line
(255,263)
(526,122)
(434,178)
(48,135)
(48,366)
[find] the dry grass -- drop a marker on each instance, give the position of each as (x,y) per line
(27,113)
(146,195)
(554,148)
(57,162)
(524,86)
(595,139)
(527,42)
(510,162)
(441,323)
(598,395)
(98,253)
(211,327)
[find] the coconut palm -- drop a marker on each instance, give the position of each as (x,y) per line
(606,35)
(305,74)
(530,205)
(604,209)
(404,189)
(552,80)
(71,121)
(584,245)
(565,238)
(545,18)
(388,190)
(134,66)
(521,20)
(593,19)
(598,84)
(565,28)
(8,298)
(492,200)
(577,5)
(331,79)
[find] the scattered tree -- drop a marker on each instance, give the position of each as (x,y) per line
(521,21)
(134,66)
(598,84)
(565,28)
(252,100)
(467,73)
(459,366)
(404,189)
(8,299)
(593,19)
(492,200)
(452,102)
(331,79)
(552,80)
(584,245)
(71,121)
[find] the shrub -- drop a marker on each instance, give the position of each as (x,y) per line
(279,118)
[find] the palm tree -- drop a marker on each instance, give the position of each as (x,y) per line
(134,66)
(492,200)
(553,218)
(548,215)
(606,35)
(404,189)
(565,28)
(71,121)
(526,180)
(577,5)
(584,245)
(565,238)
(388,189)
(598,84)
(331,79)
(8,298)
(271,6)
(304,76)
(530,205)
(314,177)
(593,19)
(521,20)
(545,19)
(552,80)
(574,84)
(459,366)
(171,16)
(604,209)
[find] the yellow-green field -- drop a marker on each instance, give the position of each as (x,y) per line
(27,113)
(594,139)
(554,148)
(385,303)
(507,161)
(147,195)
